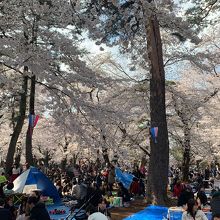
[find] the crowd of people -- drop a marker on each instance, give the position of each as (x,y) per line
(92,186)
(191,195)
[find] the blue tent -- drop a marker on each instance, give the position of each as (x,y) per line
(33,179)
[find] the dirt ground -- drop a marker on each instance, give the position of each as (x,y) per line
(135,206)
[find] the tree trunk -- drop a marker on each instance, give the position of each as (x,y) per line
(63,164)
(186,154)
(47,158)
(29,155)
(105,150)
(17,159)
(159,154)
(19,124)
(105,156)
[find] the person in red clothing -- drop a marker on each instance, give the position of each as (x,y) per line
(177,189)
(135,187)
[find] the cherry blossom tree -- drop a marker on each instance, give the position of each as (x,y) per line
(134,25)
(189,101)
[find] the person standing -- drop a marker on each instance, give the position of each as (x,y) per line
(15,172)
(111,178)
(4,213)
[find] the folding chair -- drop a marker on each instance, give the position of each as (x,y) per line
(17,198)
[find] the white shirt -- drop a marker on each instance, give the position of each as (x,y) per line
(200,215)
(16,171)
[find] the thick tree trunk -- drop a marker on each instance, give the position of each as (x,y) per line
(29,155)
(19,124)
(159,155)
(186,154)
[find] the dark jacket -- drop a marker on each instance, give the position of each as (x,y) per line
(5,214)
(184,197)
(215,205)
(39,212)
(203,198)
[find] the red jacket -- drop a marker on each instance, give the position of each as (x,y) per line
(177,190)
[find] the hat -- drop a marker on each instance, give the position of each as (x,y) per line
(97,216)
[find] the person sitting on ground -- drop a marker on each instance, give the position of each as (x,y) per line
(59,188)
(75,189)
(37,210)
(8,189)
(185,196)
(192,212)
(37,194)
(5,214)
(215,203)
(2,195)
(98,179)
(103,208)
(10,206)
(177,189)
(216,217)
(104,189)
(135,187)
(22,209)
(201,196)
(123,192)
(141,187)
(3,181)
(94,194)
(83,189)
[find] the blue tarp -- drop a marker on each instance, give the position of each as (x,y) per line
(158,213)
(124,177)
(150,213)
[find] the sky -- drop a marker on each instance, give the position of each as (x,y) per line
(172,72)
(93,49)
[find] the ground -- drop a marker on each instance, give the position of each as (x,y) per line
(121,213)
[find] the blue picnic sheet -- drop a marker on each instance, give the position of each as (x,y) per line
(158,213)
(59,207)
(150,213)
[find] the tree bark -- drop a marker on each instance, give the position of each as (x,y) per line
(186,154)
(159,154)
(105,151)
(105,156)
(19,124)
(29,155)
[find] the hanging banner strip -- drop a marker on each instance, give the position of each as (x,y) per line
(33,119)
(154,133)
